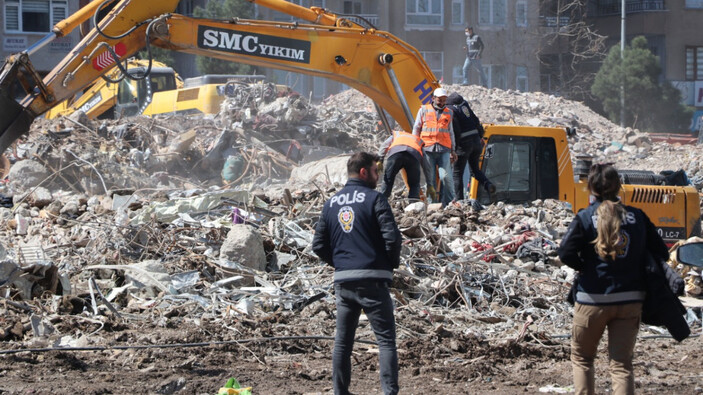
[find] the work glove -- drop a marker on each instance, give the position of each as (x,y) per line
(380,166)
(432,193)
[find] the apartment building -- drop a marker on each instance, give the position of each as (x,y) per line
(435,28)
(25,22)
(673,31)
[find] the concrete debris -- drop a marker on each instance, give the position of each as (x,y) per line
(244,245)
(210,218)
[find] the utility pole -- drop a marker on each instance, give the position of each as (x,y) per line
(622,64)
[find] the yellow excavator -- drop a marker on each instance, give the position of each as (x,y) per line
(100,98)
(525,163)
(163,92)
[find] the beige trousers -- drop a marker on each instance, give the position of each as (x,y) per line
(623,322)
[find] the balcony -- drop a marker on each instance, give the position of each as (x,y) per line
(631,7)
(372,18)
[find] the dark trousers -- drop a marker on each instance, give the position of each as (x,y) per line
(375,299)
(468,151)
(396,162)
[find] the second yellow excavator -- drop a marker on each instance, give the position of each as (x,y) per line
(99,100)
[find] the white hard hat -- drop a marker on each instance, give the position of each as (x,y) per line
(439,92)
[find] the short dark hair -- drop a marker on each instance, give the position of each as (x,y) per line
(360,160)
(469,28)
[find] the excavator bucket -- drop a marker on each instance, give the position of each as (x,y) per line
(15,120)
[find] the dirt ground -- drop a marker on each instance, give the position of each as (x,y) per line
(432,359)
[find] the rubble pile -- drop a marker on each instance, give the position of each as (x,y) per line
(115,257)
(209,221)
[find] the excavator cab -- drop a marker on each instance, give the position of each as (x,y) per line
(133,96)
(523,168)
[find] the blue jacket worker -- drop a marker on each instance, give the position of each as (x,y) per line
(403,151)
(357,235)
(468,132)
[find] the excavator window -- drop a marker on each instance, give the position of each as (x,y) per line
(522,168)
(127,98)
(162,82)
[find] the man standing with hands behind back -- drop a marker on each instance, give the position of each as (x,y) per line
(357,235)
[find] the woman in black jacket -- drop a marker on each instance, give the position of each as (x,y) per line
(606,244)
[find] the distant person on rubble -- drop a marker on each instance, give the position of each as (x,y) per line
(468,132)
(403,150)
(606,243)
(433,124)
(357,235)
(474,50)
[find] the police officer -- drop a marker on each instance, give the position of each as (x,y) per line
(606,243)
(357,235)
(469,144)
(403,150)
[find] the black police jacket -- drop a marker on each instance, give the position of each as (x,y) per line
(357,234)
(605,282)
(661,306)
(465,122)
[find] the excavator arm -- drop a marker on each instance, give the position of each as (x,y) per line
(389,71)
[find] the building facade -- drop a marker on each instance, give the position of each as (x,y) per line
(673,31)
(24,22)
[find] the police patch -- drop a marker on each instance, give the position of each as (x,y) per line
(346,218)
(623,245)
(465,110)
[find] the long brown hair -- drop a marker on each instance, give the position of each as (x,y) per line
(604,183)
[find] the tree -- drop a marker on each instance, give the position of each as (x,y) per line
(569,45)
(163,55)
(223,9)
(649,105)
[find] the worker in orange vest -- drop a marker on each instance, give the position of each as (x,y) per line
(403,150)
(433,124)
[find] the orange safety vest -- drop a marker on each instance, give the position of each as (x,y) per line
(436,130)
(407,139)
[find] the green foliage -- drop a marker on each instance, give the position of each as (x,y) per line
(163,55)
(223,9)
(649,105)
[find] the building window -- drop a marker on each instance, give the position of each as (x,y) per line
(423,12)
(435,61)
(34,15)
(694,3)
(457,12)
(496,76)
(546,83)
(521,79)
(491,12)
(457,74)
(185,8)
(352,7)
(521,13)
(694,63)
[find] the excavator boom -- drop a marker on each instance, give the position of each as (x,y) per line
(391,72)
